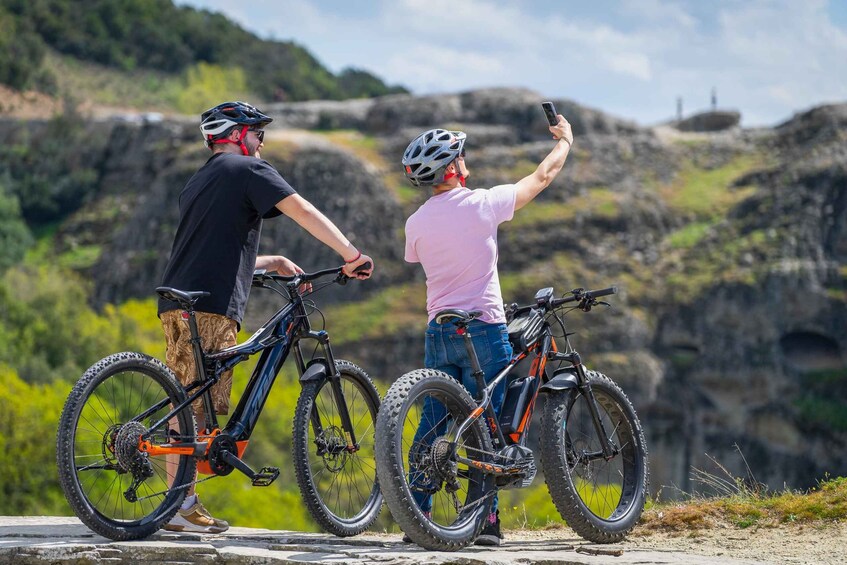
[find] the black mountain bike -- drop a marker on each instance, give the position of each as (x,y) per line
(592,448)
(128,413)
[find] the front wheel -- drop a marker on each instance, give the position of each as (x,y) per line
(114,488)
(439,501)
(338,483)
(601,500)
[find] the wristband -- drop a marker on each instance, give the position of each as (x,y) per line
(354,259)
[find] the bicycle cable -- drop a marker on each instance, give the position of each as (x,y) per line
(180,487)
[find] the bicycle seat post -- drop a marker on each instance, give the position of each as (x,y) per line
(479,376)
(199,363)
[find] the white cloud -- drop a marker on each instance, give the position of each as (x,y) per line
(767,58)
(442,69)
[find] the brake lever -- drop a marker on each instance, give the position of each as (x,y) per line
(342,278)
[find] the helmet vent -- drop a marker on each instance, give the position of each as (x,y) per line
(428,155)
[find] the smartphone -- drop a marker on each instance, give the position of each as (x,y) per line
(550,112)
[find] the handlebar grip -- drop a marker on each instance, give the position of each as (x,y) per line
(559,301)
(603,292)
(363,267)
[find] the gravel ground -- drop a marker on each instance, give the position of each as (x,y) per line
(786,544)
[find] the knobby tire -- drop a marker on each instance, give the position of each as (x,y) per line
(586,492)
(328,481)
(101,403)
(392,461)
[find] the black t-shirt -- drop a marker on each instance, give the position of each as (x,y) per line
(220,221)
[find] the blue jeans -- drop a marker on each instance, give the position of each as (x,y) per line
(445,351)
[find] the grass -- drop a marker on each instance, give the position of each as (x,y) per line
(744,502)
(709,193)
(390,310)
(365,147)
(80,257)
(598,201)
(96,84)
(703,266)
(689,236)
(822,504)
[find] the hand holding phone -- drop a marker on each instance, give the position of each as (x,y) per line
(550,112)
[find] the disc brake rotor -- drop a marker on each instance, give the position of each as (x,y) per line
(334,448)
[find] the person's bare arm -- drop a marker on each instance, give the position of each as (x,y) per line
(313,221)
(531,186)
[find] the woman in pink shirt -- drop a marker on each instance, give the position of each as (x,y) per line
(453,235)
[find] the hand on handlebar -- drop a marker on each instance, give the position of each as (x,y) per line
(284,266)
(349,269)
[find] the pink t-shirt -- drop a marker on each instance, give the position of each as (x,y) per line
(454,238)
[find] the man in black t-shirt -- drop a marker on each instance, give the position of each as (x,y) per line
(216,250)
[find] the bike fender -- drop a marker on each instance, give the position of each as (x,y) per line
(563,379)
(315,372)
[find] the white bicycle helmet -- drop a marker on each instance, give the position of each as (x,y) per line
(216,122)
(429,154)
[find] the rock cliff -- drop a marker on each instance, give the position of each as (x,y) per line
(729,248)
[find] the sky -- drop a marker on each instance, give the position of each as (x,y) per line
(768,59)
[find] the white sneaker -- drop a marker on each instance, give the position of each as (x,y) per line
(196,520)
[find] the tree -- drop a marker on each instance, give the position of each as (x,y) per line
(15,236)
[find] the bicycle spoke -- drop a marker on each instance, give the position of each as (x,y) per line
(344,480)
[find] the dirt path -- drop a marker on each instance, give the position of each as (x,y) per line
(787,544)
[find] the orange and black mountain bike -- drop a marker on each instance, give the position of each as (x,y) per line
(592,450)
(128,447)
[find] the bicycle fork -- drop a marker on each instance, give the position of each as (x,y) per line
(608,450)
(330,372)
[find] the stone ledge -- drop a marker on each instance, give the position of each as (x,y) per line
(39,540)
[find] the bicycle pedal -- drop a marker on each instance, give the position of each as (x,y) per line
(266,476)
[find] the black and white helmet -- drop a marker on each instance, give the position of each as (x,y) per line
(429,154)
(217,121)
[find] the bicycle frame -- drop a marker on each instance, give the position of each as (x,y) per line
(545,350)
(275,340)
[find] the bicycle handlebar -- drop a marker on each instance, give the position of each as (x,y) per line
(579,294)
(586,299)
(261,274)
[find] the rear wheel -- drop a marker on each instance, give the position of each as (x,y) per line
(601,500)
(338,486)
(114,488)
(411,464)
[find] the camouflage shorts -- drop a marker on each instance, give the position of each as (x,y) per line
(216,333)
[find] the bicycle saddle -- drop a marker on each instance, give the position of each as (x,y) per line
(457,316)
(183,297)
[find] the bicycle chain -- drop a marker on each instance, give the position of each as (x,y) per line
(180,487)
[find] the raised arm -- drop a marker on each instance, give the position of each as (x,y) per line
(531,186)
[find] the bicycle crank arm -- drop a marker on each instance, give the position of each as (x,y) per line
(261,479)
(491,468)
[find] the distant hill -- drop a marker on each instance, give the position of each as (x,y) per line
(155,36)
